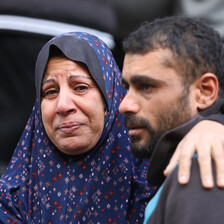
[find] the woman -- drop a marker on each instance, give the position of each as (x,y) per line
(72,163)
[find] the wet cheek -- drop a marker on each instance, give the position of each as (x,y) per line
(47,116)
(97,119)
(45,122)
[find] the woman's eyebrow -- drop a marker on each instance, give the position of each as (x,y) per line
(70,77)
(79,76)
(48,80)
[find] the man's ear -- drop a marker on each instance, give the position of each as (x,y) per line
(207,88)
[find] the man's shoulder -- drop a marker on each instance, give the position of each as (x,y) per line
(190,203)
(172,185)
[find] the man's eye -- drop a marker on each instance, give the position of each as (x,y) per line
(145,87)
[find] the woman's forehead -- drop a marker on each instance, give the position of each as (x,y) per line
(62,65)
(78,48)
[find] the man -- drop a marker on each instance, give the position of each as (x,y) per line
(173,70)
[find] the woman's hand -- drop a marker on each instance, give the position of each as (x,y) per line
(207,140)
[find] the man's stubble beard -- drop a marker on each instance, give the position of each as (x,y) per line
(174,116)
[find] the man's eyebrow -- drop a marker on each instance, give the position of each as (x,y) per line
(143,78)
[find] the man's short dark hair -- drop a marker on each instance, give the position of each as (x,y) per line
(196,47)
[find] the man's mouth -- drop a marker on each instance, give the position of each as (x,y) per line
(134,131)
(135,125)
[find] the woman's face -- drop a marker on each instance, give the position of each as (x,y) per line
(72,106)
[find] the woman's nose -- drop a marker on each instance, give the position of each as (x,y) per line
(65,103)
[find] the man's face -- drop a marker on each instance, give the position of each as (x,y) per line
(156,100)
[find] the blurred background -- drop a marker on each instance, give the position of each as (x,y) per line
(25,26)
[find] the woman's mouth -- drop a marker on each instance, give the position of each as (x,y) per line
(68,128)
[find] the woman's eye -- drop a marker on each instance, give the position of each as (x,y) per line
(49,93)
(81,88)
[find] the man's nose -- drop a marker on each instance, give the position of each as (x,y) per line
(129,104)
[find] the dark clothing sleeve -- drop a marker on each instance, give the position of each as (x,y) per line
(215,112)
(191,203)
(216,117)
